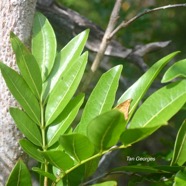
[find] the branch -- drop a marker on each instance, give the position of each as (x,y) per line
(69,23)
(45,2)
(105,40)
(148,11)
(104,44)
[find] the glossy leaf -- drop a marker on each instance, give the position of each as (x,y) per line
(102,97)
(179,154)
(104,131)
(130,136)
(65,60)
(107,183)
(176,70)
(59,159)
(31,150)
(65,89)
(64,120)
(43,173)
(140,87)
(21,92)
(26,126)
(180,178)
(20,175)
(27,65)
(77,146)
(160,106)
(43,44)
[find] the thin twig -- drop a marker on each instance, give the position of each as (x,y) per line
(105,42)
(148,11)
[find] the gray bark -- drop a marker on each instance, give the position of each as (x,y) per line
(16,16)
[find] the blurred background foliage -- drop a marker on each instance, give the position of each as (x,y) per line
(163,25)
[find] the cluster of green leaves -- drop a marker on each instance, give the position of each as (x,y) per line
(46,90)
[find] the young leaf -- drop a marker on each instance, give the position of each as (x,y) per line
(130,136)
(160,106)
(43,173)
(179,154)
(31,150)
(65,89)
(20,175)
(176,70)
(107,183)
(21,92)
(65,60)
(64,120)
(140,87)
(26,126)
(59,159)
(43,44)
(180,178)
(77,146)
(104,131)
(102,97)
(27,65)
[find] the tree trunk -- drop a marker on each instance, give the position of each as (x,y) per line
(16,16)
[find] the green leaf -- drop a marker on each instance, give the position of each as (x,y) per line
(180,178)
(65,89)
(27,65)
(26,126)
(130,136)
(104,131)
(21,92)
(137,169)
(149,171)
(19,176)
(59,159)
(176,70)
(179,154)
(43,44)
(64,120)
(160,106)
(107,183)
(65,60)
(77,146)
(102,97)
(31,150)
(43,173)
(140,87)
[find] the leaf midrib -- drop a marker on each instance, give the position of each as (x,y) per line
(27,69)
(67,90)
(164,108)
(22,96)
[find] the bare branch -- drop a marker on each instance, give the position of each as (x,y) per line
(147,11)
(105,40)
(142,50)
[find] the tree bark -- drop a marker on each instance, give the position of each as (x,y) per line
(16,16)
